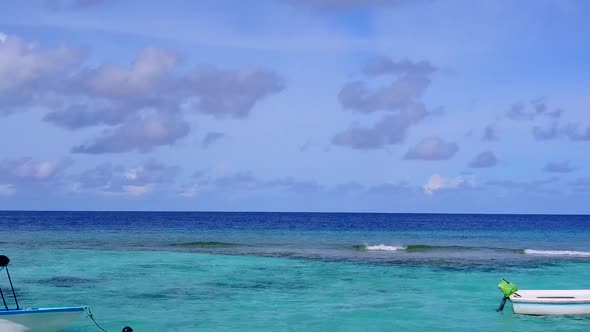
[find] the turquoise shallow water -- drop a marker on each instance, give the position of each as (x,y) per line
(245,279)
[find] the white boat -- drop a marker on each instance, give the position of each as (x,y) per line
(545,302)
(38,319)
(33,319)
(551,302)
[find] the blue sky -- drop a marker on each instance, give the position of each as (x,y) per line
(295,105)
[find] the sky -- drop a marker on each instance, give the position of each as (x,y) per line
(452,106)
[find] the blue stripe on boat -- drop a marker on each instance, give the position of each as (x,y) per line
(552,304)
(40,310)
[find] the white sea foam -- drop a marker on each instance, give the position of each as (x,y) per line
(383,247)
(557,253)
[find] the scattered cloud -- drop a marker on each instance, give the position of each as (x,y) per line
(141,134)
(305,146)
(246,181)
(211,138)
(293,184)
(139,180)
(437,183)
(387,66)
(410,80)
(571,131)
(485,159)
(31,174)
(534,109)
(150,73)
(546,133)
(391,129)
(534,186)
(249,182)
(490,134)
(77,116)
(143,105)
(432,148)
(30,74)
(517,112)
(232,93)
(29,170)
(559,167)
(553,127)
(575,133)
(402,96)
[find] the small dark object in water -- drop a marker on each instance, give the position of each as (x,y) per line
(4,260)
(66,281)
(127,329)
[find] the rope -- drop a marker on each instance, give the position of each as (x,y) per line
(89,315)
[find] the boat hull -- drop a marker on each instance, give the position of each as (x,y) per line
(551,302)
(38,319)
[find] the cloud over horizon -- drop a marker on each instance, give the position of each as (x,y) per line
(27,169)
(437,183)
(141,179)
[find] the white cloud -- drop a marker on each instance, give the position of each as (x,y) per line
(132,173)
(27,169)
(145,76)
(28,71)
(143,104)
(438,182)
(36,170)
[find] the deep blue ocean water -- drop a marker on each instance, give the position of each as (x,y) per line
(203,271)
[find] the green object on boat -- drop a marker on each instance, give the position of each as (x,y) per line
(507,287)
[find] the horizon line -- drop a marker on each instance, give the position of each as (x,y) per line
(302,212)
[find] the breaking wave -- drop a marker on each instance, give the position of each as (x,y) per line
(425,248)
(203,244)
(557,253)
(383,247)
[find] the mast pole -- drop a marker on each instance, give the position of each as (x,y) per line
(11,286)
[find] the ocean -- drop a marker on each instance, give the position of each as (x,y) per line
(201,271)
